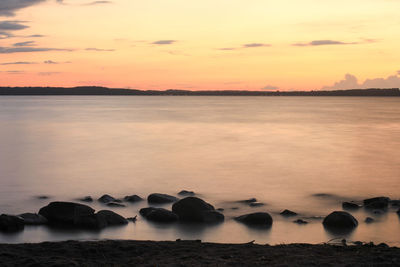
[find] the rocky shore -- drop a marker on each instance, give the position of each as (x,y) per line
(194,253)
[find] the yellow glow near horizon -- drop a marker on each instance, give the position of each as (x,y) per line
(363,34)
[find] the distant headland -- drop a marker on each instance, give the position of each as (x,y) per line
(95,90)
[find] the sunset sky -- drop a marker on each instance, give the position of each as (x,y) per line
(201,45)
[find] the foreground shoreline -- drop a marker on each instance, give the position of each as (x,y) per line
(193,253)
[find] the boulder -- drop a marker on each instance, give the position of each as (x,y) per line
(115,205)
(111,217)
(158,215)
(340,220)
(11,223)
(107,198)
(133,198)
(300,221)
(86,199)
(65,212)
(157,198)
(288,213)
(33,218)
(350,206)
(186,193)
(258,218)
(100,220)
(196,210)
(395,203)
(247,201)
(376,203)
(369,220)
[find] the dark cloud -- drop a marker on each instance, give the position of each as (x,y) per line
(11,50)
(5,35)
(164,42)
(12,25)
(50,62)
(270,87)
(99,49)
(251,45)
(24,44)
(18,63)
(351,82)
(35,36)
(332,42)
(9,7)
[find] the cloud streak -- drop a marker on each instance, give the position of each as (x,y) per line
(99,49)
(253,45)
(12,25)
(164,42)
(333,42)
(9,7)
(12,50)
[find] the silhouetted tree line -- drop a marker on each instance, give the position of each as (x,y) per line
(94,90)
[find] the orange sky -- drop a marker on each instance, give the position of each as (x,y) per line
(195,45)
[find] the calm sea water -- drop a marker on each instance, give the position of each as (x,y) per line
(281,150)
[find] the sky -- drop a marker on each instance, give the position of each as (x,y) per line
(201,45)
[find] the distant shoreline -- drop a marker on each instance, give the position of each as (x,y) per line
(93,90)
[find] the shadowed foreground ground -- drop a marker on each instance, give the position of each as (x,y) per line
(192,253)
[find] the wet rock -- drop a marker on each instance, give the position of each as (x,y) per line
(324,195)
(158,215)
(132,219)
(288,213)
(186,193)
(350,206)
(100,220)
(340,220)
(43,197)
(220,209)
(234,208)
(258,218)
(11,223)
(111,218)
(256,204)
(107,198)
(33,218)
(158,198)
(395,203)
(196,210)
(65,212)
(369,220)
(247,201)
(300,221)
(86,199)
(115,205)
(133,198)
(376,203)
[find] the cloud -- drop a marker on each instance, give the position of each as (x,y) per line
(48,73)
(50,62)
(99,49)
(9,7)
(14,71)
(12,25)
(351,82)
(18,63)
(11,50)
(164,42)
(251,45)
(35,36)
(334,42)
(227,48)
(97,3)
(398,72)
(27,43)
(5,35)
(270,87)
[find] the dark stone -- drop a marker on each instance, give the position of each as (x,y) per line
(132,219)
(350,206)
(65,212)
(115,205)
(133,198)
(256,204)
(376,203)
(186,193)
(288,213)
(91,221)
(107,198)
(258,218)
(340,220)
(11,223)
(248,201)
(196,210)
(86,199)
(220,209)
(33,219)
(369,220)
(300,221)
(395,203)
(111,217)
(157,198)
(158,215)
(42,197)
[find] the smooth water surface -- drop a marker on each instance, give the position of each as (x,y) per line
(281,150)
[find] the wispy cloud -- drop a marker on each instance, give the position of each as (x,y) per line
(334,42)
(252,45)
(98,3)
(11,50)
(48,73)
(164,42)
(9,7)
(227,48)
(12,25)
(18,63)
(270,87)
(99,49)
(27,43)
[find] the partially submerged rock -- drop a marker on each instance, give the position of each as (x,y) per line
(158,215)
(186,193)
(258,218)
(300,221)
(369,220)
(115,205)
(11,223)
(86,199)
(196,210)
(65,212)
(350,206)
(288,213)
(133,198)
(107,198)
(340,220)
(395,203)
(157,198)
(376,203)
(111,218)
(247,201)
(256,204)
(33,219)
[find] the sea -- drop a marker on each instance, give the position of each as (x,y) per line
(305,154)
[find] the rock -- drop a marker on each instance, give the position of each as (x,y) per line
(33,219)
(86,199)
(350,206)
(256,204)
(111,217)
(11,223)
(196,210)
(107,198)
(65,212)
(395,203)
(43,197)
(132,219)
(234,208)
(398,212)
(100,220)
(369,220)
(186,193)
(158,215)
(258,218)
(288,213)
(247,201)
(300,221)
(220,209)
(157,198)
(133,198)
(340,220)
(115,205)
(376,203)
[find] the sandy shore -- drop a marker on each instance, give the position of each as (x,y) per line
(193,253)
